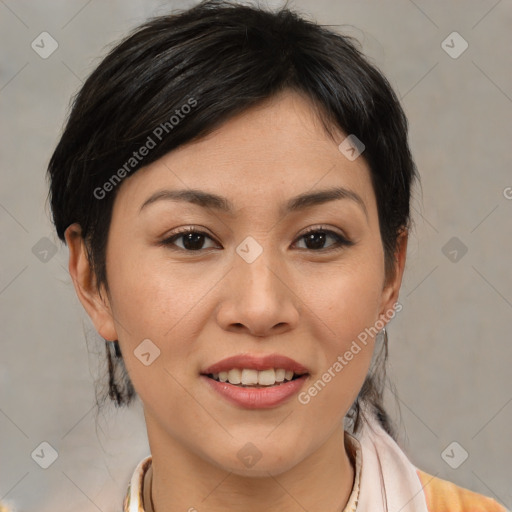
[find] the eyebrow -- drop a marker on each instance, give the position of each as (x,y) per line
(297,203)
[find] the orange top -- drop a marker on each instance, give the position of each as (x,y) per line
(443,496)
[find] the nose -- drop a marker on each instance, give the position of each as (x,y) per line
(259,298)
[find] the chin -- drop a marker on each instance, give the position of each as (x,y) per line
(249,461)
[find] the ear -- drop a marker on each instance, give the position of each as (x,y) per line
(392,285)
(97,307)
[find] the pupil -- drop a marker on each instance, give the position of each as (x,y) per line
(192,238)
(319,243)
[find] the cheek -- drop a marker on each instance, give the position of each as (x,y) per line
(152,296)
(348,297)
(345,352)
(159,302)
(156,301)
(346,305)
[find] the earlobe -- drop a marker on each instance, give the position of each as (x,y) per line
(97,307)
(392,289)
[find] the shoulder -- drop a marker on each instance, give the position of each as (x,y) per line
(442,496)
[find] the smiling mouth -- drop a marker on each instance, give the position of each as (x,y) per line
(248,378)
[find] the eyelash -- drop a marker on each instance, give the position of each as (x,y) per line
(341,241)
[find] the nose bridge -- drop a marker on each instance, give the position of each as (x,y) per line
(256,266)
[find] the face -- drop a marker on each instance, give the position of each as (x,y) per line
(269,276)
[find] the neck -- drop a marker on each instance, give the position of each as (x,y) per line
(180,480)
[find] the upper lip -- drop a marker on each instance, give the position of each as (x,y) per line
(255,362)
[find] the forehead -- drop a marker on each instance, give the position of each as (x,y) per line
(272,151)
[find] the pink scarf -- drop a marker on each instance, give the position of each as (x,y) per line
(389,482)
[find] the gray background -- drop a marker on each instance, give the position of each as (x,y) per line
(450,348)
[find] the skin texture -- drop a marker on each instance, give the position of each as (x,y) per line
(199,307)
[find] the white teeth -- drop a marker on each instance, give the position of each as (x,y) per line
(250,377)
(267,377)
(280,375)
(234,376)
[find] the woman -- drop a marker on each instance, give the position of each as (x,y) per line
(234,186)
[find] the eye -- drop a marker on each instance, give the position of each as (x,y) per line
(315,239)
(193,239)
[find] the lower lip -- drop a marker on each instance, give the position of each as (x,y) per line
(257,398)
